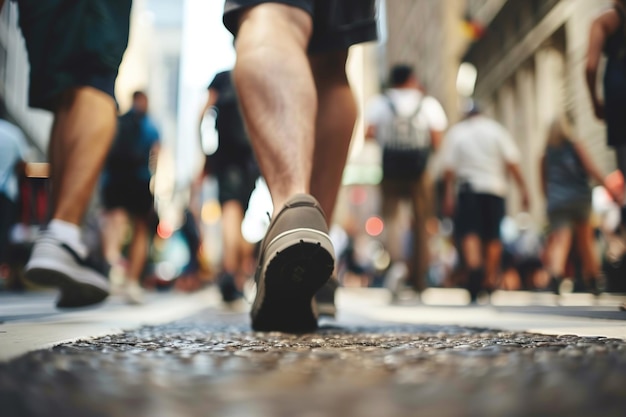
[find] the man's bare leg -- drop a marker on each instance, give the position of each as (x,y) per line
(279,102)
(229,281)
(336,116)
(113,231)
(493,256)
(472,250)
(138,250)
(83,130)
(277,95)
(82,133)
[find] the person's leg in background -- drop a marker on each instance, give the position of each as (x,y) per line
(472,252)
(114,222)
(392,233)
(493,259)
(236,182)
(421,200)
(137,255)
(469,227)
(114,229)
(492,210)
(557,251)
(336,116)
(232,241)
(585,245)
(620,153)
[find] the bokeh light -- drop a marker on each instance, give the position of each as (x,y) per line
(374,226)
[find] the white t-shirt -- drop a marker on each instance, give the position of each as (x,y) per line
(380,115)
(12,150)
(477,150)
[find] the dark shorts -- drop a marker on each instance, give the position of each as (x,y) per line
(337,24)
(236,183)
(479,214)
(569,216)
(73,43)
(133,196)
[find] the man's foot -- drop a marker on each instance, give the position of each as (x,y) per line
(55,264)
(554,286)
(325,299)
(295,261)
(595,286)
(133,293)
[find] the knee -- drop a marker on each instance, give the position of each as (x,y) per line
(270,24)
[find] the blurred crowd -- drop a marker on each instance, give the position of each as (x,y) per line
(440,217)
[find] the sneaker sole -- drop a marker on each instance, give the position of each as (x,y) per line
(293,273)
(73,293)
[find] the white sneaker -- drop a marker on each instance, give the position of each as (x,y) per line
(117,278)
(55,264)
(133,293)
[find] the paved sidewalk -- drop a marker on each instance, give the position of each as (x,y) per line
(376,360)
(30,321)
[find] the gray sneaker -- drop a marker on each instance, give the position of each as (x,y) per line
(54,264)
(295,261)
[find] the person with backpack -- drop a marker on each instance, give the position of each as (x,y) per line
(478,155)
(408,125)
(565,171)
(126,193)
(608,36)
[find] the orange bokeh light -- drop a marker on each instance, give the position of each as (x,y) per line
(374,226)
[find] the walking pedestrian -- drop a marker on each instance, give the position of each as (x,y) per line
(565,171)
(300,113)
(126,194)
(73,67)
(12,156)
(408,125)
(479,154)
(236,171)
(608,36)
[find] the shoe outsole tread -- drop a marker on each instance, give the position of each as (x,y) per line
(292,277)
(73,293)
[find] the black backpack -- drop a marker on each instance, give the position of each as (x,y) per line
(406,152)
(126,154)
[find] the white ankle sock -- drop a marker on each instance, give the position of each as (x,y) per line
(68,233)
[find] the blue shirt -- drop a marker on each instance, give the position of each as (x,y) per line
(148,137)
